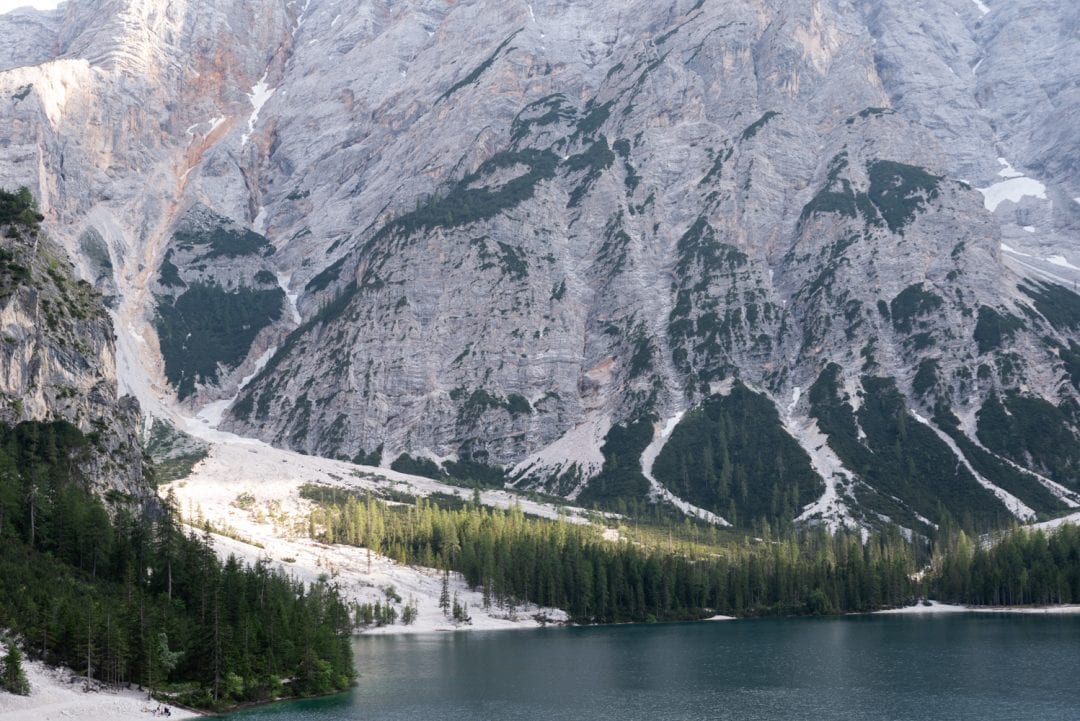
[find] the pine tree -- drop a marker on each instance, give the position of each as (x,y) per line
(12,676)
(444,596)
(409,613)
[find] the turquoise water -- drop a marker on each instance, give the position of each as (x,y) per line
(855,668)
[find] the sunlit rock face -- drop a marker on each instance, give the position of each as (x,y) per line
(523,239)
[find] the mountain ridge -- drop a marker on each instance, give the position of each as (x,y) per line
(512,253)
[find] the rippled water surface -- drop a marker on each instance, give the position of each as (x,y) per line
(882,667)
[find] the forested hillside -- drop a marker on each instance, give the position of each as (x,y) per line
(514,558)
(96,573)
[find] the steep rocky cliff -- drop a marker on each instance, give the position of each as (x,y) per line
(57,355)
(761,258)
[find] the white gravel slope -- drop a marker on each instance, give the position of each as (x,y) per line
(52,698)
(272,478)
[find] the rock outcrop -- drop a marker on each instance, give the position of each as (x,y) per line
(534,241)
(57,358)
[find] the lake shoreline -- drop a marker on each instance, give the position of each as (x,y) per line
(56,693)
(937,607)
(54,696)
(843,668)
(920,609)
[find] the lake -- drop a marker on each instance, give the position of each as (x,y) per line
(955,666)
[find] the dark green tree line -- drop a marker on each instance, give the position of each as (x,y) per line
(1021,567)
(139,601)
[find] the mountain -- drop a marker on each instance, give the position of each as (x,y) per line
(57,358)
(762,259)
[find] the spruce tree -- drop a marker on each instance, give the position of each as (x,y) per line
(444,596)
(12,676)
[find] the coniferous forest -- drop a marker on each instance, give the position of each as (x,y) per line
(131,598)
(514,558)
(1021,567)
(140,602)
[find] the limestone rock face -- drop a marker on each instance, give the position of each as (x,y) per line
(57,359)
(504,233)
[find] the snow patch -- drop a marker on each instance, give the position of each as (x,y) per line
(1007,170)
(300,18)
(259,223)
(212,413)
(260,93)
(722,388)
(431,456)
(612,534)
(1015,255)
(273,477)
(7,6)
(930,607)
(209,418)
(1014,188)
(283,280)
(1009,249)
(1028,228)
(968,425)
(660,437)
(829,508)
(982,6)
(260,363)
(853,391)
(214,124)
(1059,260)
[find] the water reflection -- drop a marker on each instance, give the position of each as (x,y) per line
(845,669)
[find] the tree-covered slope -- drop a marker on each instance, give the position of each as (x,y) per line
(97,574)
(140,599)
